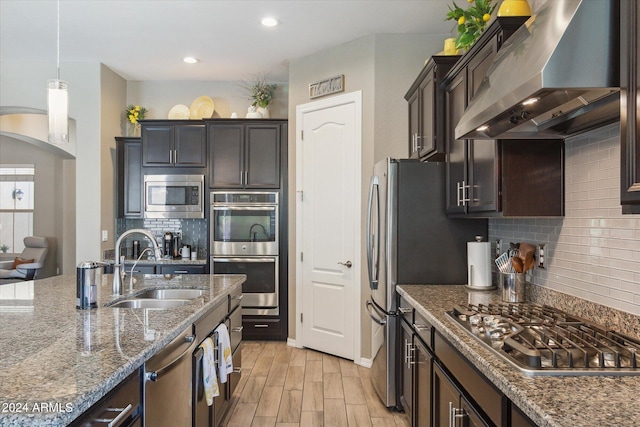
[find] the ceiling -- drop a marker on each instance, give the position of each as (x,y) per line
(147,39)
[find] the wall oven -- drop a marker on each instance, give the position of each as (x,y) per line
(260,291)
(173,196)
(244,223)
(244,240)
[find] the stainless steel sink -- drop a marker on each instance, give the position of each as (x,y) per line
(169,294)
(150,303)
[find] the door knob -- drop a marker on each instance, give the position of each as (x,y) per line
(347,264)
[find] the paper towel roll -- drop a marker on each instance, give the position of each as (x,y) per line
(479,264)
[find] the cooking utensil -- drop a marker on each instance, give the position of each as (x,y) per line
(503,263)
(528,262)
(518,264)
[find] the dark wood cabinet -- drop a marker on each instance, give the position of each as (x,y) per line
(245,155)
(171,144)
(629,107)
(427,110)
(129,178)
(406,370)
(481,178)
(423,373)
(180,269)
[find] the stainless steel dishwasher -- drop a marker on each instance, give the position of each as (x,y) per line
(167,386)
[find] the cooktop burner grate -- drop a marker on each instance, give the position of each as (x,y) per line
(542,340)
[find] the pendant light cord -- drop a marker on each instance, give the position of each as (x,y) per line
(58,42)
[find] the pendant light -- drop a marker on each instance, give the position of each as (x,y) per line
(58,101)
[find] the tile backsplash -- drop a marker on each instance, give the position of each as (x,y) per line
(193,231)
(593,252)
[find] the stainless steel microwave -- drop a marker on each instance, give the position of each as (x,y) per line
(173,196)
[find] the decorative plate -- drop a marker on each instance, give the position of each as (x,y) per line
(179,112)
(202,108)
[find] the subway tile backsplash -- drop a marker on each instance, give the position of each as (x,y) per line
(593,252)
(193,231)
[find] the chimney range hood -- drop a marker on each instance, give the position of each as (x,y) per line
(557,75)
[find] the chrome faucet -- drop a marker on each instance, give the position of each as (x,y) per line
(118,266)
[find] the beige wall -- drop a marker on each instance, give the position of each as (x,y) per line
(112,104)
(382,67)
(87,102)
(228,97)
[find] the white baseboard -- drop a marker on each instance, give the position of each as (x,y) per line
(291,342)
(367,363)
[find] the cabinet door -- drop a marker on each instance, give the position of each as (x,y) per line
(445,398)
(469,416)
(483,154)
(414,130)
(262,156)
(190,146)
(483,176)
(456,174)
(630,107)
(422,395)
(406,353)
(157,145)
(226,156)
(425,142)
(130,189)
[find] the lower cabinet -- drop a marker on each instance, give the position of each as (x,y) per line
(440,387)
(121,406)
(269,328)
(422,393)
(450,407)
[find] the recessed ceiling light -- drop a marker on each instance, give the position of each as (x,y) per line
(190,59)
(269,22)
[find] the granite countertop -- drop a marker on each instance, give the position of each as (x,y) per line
(550,401)
(51,353)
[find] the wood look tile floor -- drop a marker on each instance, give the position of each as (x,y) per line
(283,386)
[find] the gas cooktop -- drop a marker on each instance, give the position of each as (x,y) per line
(542,340)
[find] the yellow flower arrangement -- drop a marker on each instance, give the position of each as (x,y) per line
(135,113)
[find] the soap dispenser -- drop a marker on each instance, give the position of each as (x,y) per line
(88,279)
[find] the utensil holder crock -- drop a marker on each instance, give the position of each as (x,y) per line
(512,286)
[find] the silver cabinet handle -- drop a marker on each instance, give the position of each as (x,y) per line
(175,156)
(238,297)
(246,177)
(347,264)
(237,370)
(421,328)
(237,329)
(412,357)
(405,310)
(180,272)
(260,326)
(115,422)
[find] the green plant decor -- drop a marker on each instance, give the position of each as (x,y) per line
(471,22)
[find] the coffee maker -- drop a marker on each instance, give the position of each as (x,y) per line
(167,244)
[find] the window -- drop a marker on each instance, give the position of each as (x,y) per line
(16,206)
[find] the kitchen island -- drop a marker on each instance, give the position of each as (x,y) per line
(549,401)
(57,361)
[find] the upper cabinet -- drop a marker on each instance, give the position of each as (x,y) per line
(487,178)
(129,177)
(174,144)
(427,110)
(245,155)
(629,107)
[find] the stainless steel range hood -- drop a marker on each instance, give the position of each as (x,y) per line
(566,59)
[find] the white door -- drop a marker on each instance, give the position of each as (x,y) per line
(328,230)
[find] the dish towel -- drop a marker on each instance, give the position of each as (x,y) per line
(224,347)
(209,379)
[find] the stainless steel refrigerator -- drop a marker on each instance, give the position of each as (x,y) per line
(410,240)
